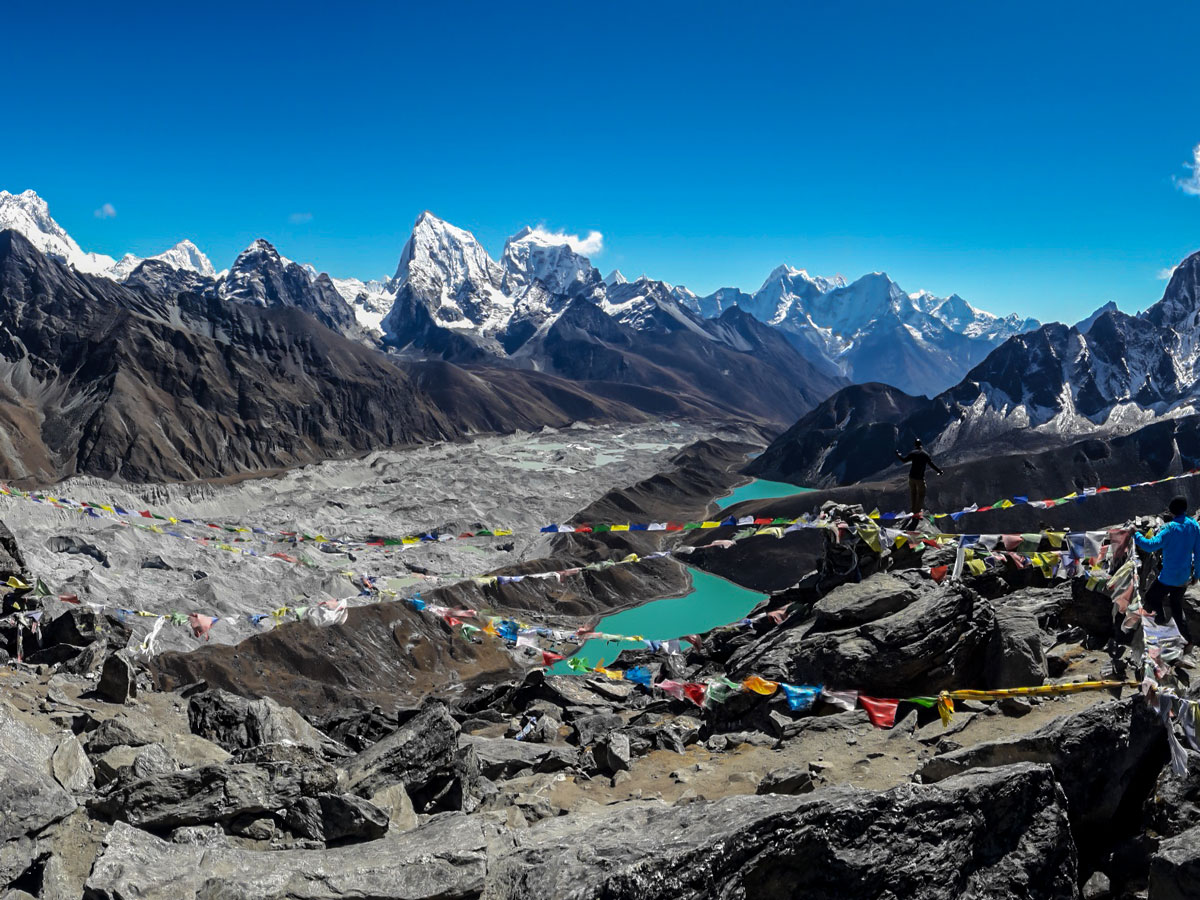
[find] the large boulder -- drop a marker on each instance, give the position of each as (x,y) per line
(237,723)
(80,626)
(424,756)
(856,603)
(336,818)
(1104,757)
(989,834)
(933,643)
(118,678)
(443,859)
(1174,805)
(1015,656)
(1175,868)
(30,796)
(504,758)
(210,794)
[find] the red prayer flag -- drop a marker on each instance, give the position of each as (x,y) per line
(937,573)
(882,713)
(694,692)
(549,659)
(69,598)
(145,514)
(674,526)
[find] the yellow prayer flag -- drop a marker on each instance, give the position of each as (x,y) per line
(15,582)
(760,685)
(710,524)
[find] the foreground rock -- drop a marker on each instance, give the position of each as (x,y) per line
(1005,832)
(1175,868)
(236,723)
(924,643)
(214,794)
(424,756)
(30,797)
(1096,756)
(445,859)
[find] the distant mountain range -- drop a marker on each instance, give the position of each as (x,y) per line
(1110,374)
(448,299)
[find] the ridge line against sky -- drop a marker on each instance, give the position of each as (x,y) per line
(1031,160)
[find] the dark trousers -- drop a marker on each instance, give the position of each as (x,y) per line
(1166,602)
(916,493)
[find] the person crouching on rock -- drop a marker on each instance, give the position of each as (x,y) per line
(1179,541)
(916,474)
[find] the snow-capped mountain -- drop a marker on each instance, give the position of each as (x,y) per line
(449,298)
(531,255)
(872,330)
(447,272)
(1111,374)
(28,213)
(184,256)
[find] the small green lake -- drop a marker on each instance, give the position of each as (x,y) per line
(712,602)
(760,490)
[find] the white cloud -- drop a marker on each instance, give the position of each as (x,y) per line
(1165,274)
(1191,184)
(300,218)
(107,211)
(592,245)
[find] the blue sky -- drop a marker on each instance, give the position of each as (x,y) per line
(1022,155)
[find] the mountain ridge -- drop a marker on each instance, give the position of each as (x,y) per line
(475,307)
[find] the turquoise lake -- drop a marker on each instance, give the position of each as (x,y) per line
(714,601)
(760,490)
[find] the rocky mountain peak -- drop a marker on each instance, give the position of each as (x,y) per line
(1179,307)
(260,276)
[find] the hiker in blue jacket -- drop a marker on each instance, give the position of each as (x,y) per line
(1179,541)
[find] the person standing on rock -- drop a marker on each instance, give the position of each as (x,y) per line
(1179,541)
(919,460)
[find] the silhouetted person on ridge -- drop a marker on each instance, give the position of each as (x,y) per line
(1179,541)
(916,474)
